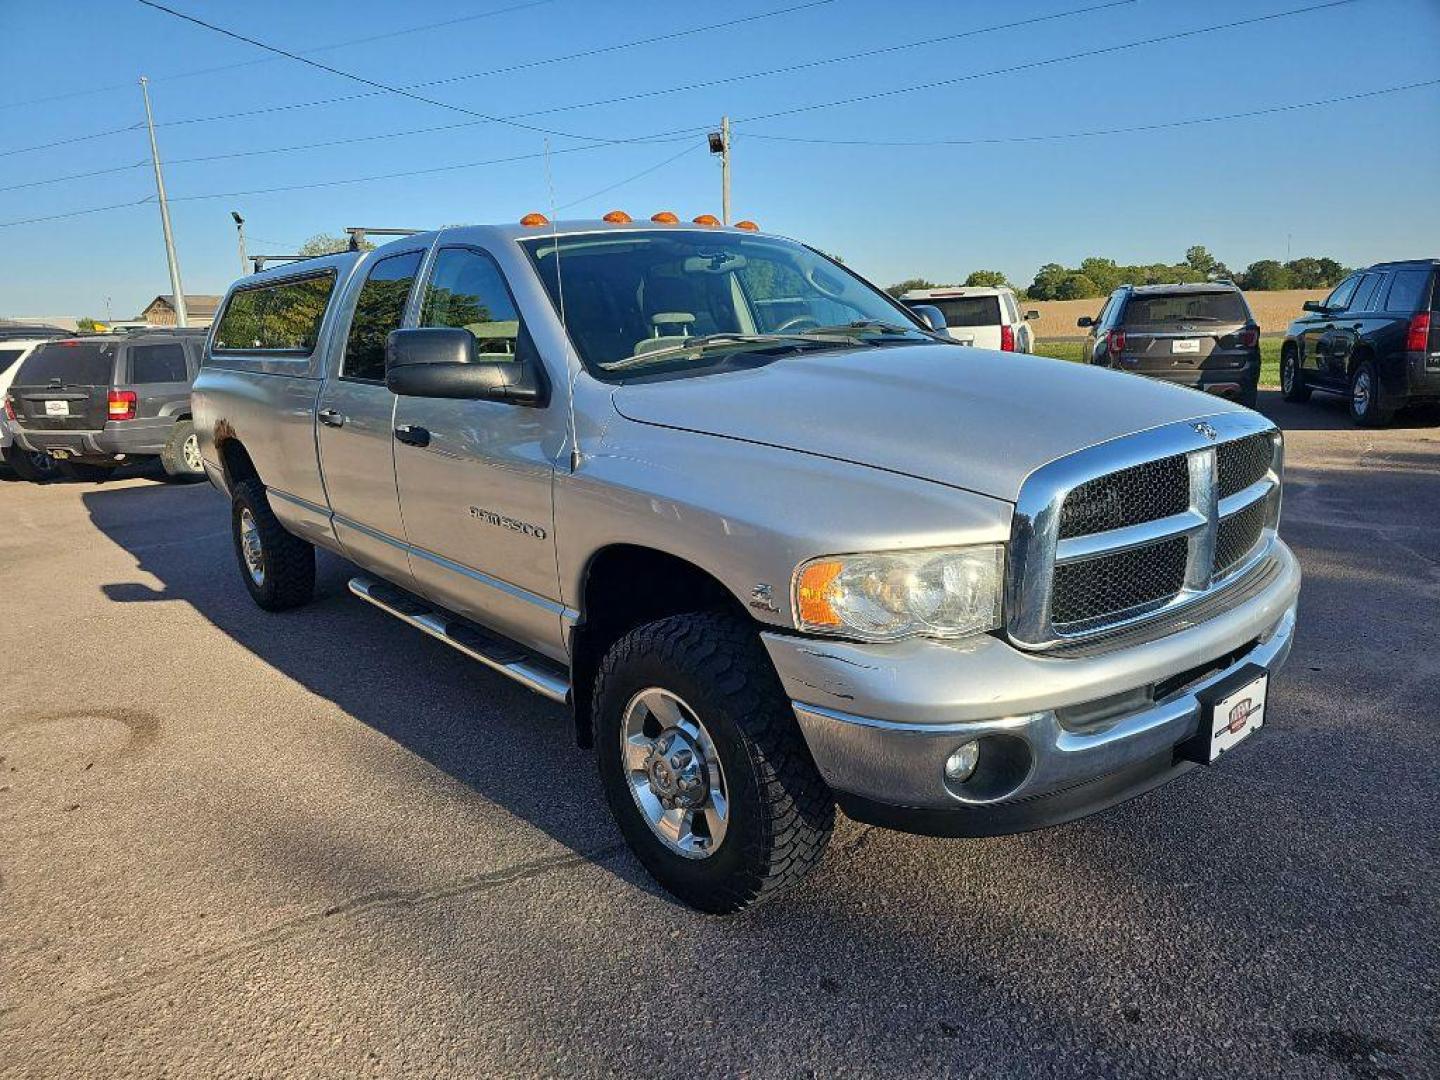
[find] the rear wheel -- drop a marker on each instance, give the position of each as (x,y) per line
(1292,379)
(84,471)
(181,455)
(1365,407)
(1249,396)
(277,568)
(31,465)
(703,764)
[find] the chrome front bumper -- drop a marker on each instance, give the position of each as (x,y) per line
(880,720)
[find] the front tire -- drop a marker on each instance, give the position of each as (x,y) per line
(1365,407)
(30,465)
(703,764)
(181,455)
(277,567)
(1292,379)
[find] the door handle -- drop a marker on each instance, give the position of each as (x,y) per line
(413,435)
(330,418)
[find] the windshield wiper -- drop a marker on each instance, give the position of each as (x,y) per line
(707,341)
(860,326)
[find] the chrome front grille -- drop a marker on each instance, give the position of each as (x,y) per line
(1137,527)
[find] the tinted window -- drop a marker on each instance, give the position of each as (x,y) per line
(74,363)
(1341,296)
(1365,292)
(467,291)
(968,310)
(380,309)
(158,364)
(8,357)
(283,317)
(1407,291)
(1150,308)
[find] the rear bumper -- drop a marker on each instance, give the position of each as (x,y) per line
(127,437)
(1419,380)
(880,721)
(1227,382)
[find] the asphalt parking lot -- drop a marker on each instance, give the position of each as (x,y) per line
(234,843)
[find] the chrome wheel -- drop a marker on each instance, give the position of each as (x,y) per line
(190,454)
(1360,393)
(251,548)
(674,773)
(1287,373)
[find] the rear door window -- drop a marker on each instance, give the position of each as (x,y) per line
(1407,291)
(1364,292)
(158,364)
(379,309)
(70,363)
(1216,307)
(280,317)
(969,310)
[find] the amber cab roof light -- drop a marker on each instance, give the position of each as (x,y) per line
(665,217)
(530,221)
(747,225)
(706,219)
(617,217)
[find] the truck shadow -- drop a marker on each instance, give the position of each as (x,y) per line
(927,956)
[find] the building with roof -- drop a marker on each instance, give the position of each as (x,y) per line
(200,309)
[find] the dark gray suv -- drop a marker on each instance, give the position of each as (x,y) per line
(1202,336)
(93,403)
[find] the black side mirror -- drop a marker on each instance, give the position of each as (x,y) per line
(440,362)
(1084,321)
(930,315)
(1315,305)
(1031,314)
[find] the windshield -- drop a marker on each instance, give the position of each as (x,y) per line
(1225,307)
(965,310)
(647,301)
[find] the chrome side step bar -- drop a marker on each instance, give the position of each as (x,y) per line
(499,654)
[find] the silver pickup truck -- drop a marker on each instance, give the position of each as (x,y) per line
(776,544)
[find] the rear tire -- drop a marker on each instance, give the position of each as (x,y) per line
(30,465)
(84,471)
(277,567)
(1292,379)
(1365,407)
(1249,397)
(181,455)
(776,814)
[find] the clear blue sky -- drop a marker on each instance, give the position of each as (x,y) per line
(1356,180)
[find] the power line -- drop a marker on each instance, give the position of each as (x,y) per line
(1032,64)
(1248,113)
(75,176)
(251,63)
(78,213)
(621,183)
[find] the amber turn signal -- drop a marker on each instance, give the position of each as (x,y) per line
(813,593)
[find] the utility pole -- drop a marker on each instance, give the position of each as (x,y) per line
(720,144)
(240,233)
(725,171)
(181,315)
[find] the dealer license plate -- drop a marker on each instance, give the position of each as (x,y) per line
(57,408)
(1189,346)
(1236,716)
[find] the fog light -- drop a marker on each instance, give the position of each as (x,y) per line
(961,764)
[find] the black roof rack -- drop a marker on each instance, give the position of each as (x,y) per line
(357,234)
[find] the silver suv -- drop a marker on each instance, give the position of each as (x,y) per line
(777,545)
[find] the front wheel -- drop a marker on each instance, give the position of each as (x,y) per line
(1365,407)
(277,568)
(1292,379)
(703,764)
(181,455)
(31,465)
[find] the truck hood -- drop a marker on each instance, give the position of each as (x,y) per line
(969,418)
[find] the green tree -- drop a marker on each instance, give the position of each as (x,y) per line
(326,244)
(986,279)
(1330,273)
(1200,260)
(1266,275)
(1104,274)
(1078,287)
(87,325)
(905,286)
(1047,282)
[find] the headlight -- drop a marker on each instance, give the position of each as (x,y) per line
(944,592)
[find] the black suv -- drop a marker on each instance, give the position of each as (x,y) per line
(93,403)
(1202,336)
(1376,337)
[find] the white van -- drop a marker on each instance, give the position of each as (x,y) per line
(987,318)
